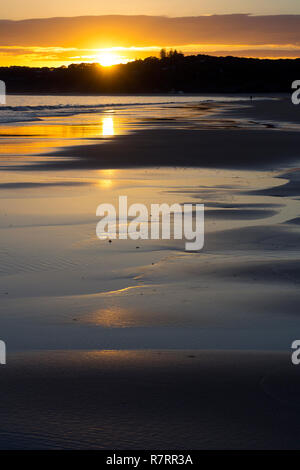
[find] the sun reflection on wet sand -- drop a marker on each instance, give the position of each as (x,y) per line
(114,316)
(108,126)
(105,183)
(53,133)
(106,179)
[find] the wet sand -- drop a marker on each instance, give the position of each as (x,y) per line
(116,347)
(183,148)
(150,400)
(224,136)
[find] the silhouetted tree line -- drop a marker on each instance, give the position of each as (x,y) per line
(172,72)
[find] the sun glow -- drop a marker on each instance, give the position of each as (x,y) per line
(106,59)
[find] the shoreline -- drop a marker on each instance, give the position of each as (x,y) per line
(224,137)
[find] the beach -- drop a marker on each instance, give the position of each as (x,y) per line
(141,344)
(150,399)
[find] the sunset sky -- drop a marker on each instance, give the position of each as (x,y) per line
(61,32)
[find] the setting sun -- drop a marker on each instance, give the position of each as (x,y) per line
(106,59)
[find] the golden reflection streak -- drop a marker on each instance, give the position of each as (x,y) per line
(111,293)
(106,180)
(108,127)
(113,317)
(107,172)
(105,183)
(125,289)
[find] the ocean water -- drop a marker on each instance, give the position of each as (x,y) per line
(24,108)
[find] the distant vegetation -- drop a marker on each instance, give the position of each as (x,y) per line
(172,72)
